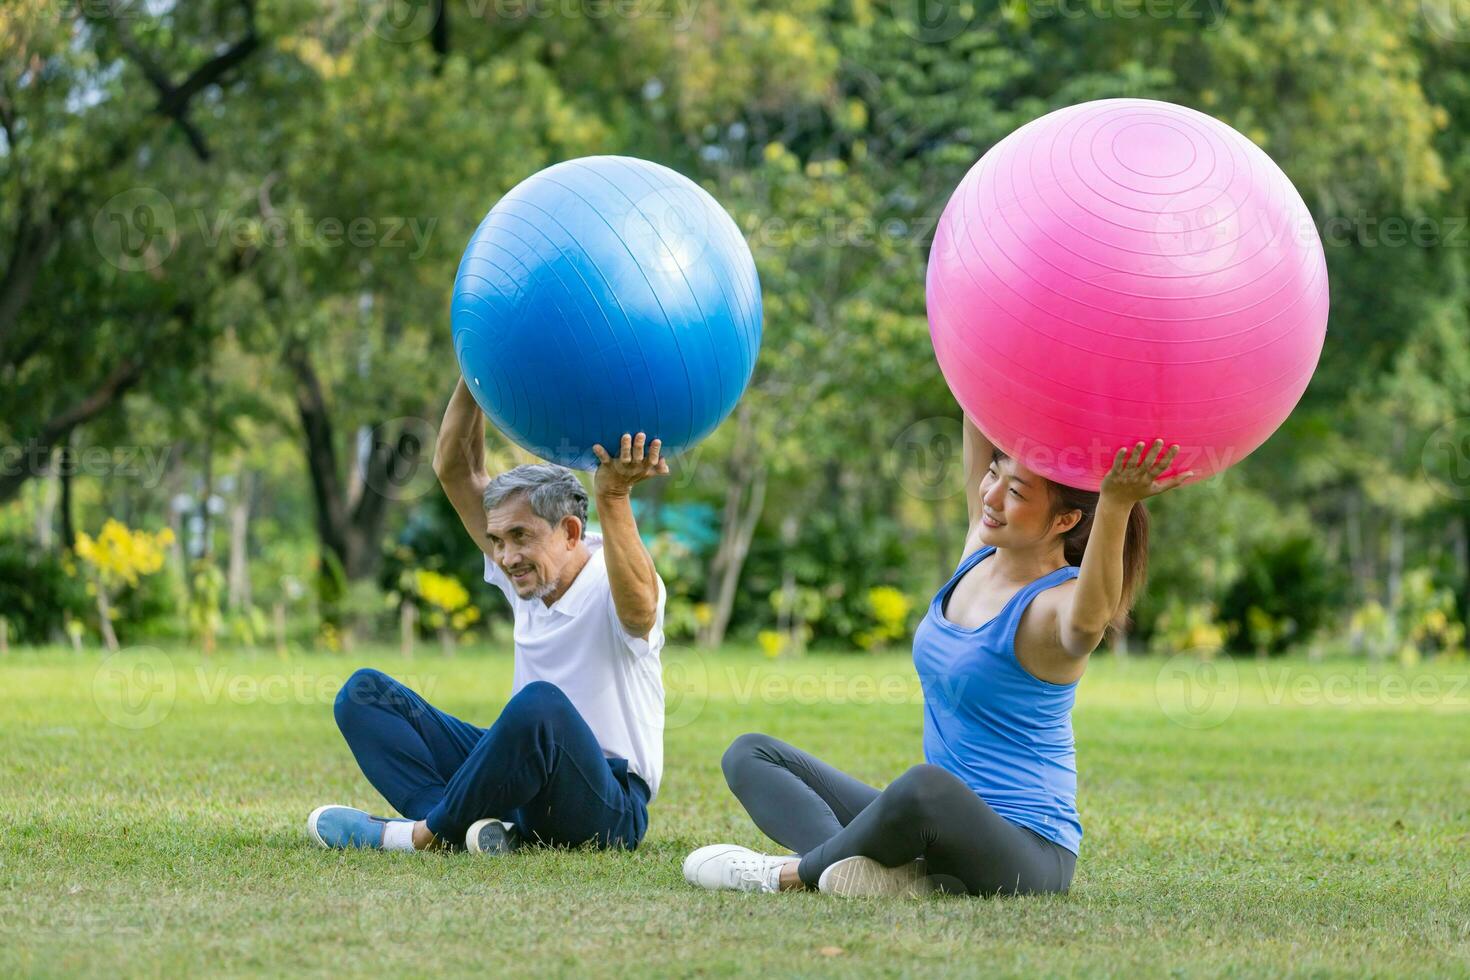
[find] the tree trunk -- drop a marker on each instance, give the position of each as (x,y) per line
(46,508)
(1465,561)
(104,616)
(29,250)
(206,493)
(1357,557)
(744,500)
(788,620)
(68,521)
(349,518)
(1395,568)
(407,625)
(239,574)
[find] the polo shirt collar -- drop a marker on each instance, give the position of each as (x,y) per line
(584,587)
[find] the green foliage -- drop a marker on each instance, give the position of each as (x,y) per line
(204,610)
(37,594)
(1287,590)
(1425,623)
(834,133)
(151,609)
(835,567)
(1182,627)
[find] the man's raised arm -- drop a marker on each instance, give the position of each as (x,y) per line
(459,462)
(630,570)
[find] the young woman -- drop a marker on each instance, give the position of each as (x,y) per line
(998,654)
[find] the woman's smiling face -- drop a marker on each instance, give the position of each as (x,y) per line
(1016,505)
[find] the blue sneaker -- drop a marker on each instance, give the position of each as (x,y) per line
(343,826)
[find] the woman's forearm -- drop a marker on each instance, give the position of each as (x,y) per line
(976,451)
(1100,583)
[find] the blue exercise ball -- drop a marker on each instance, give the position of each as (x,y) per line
(606,295)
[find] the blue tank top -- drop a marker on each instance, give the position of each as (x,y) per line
(1004,732)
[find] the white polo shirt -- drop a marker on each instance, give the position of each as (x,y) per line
(613,679)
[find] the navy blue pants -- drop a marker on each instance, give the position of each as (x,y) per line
(539,766)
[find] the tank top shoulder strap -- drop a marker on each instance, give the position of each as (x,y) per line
(971,560)
(966,563)
(1029,591)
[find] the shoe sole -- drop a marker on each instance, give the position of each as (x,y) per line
(492,837)
(862,877)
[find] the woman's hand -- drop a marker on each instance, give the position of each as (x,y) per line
(617,475)
(1133,478)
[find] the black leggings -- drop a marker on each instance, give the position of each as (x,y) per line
(825,815)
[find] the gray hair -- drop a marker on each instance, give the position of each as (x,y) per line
(554,492)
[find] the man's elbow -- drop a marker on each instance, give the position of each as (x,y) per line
(639,621)
(447,467)
(638,627)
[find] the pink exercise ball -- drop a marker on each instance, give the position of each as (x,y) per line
(1126,270)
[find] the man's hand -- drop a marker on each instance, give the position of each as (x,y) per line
(630,571)
(617,477)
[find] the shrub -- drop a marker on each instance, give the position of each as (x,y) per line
(890,611)
(1187,626)
(37,596)
(1285,593)
(117,560)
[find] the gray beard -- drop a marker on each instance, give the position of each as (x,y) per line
(542,591)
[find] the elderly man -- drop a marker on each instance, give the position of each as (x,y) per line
(575,756)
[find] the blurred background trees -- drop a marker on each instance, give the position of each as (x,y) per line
(228,230)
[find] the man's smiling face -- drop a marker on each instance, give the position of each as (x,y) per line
(531,552)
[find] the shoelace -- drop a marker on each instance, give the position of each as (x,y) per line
(754,870)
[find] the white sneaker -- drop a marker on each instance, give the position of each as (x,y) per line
(492,837)
(860,876)
(730,867)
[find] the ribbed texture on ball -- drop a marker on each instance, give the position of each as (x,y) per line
(1126,270)
(606,295)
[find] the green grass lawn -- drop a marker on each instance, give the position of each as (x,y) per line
(1297,818)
